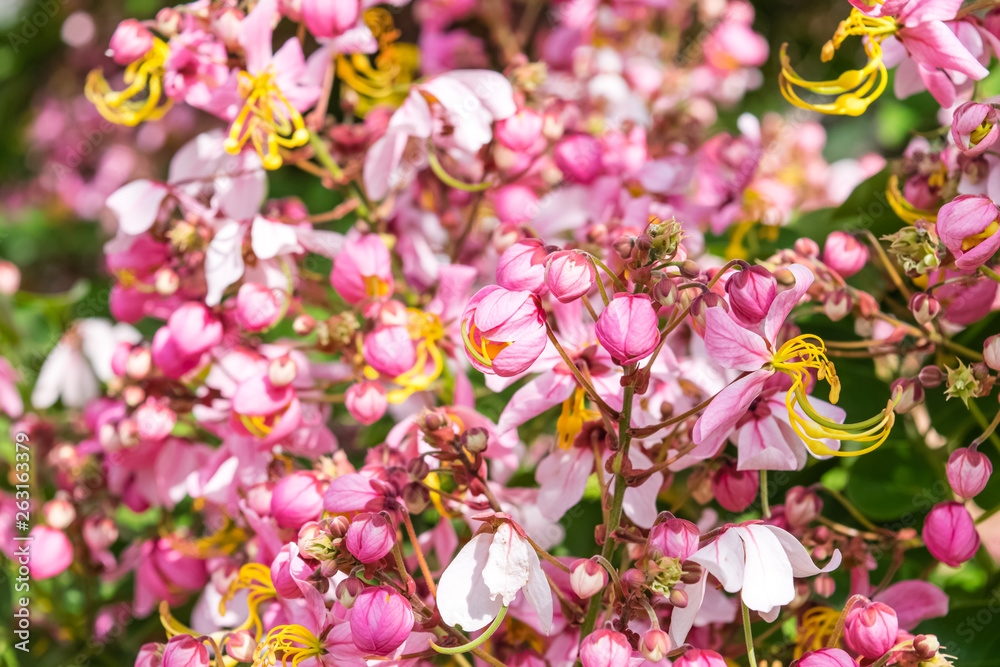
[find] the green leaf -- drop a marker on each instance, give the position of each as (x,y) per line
(893,482)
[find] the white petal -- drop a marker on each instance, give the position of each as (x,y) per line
(724,558)
(270,239)
(506,570)
(682,619)
(50,377)
(538,593)
(463,598)
(767,582)
(136,205)
(223,261)
(802,564)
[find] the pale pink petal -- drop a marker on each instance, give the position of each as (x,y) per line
(463,597)
(785,301)
(270,238)
(562,479)
(732,346)
(538,593)
(934,45)
(729,406)
(544,392)
(224,261)
(136,205)
(914,601)
(762,447)
(255,35)
(724,558)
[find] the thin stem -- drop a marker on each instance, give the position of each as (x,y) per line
(988,432)
(989,273)
(887,263)
(650,430)
(546,555)
(748,635)
(426,571)
(599,263)
(475,643)
(981,418)
(450,180)
(851,509)
(765,502)
(590,308)
(323,155)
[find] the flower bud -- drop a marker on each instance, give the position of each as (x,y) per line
(674,538)
(735,489)
(10,278)
(870,629)
(968,471)
(475,439)
(289,572)
(370,537)
(296,499)
(844,254)
(166,281)
(366,401)
(931,377)
(926,647)
(303,325)
(628,328)
(59,512)
(258,307)
(751,292)
(282,371)
(655,645)
(521,131)
(326,19)
(381,620)
(678,598)
(991,352)
(51,552)
(522,267)
(910,392)
(802,506)
(825,657)
(416,497)
(665,293)
(837,304)
(194,329)
(605,648)
(700,658)
(924,307)
(184,651)
(515,204)
(569,275)
(623,245)
(130,42)
(807,247)
(587,578)
(348,591)
(950,534)
(139,363)
(578,157)
(314,540)
(240,645)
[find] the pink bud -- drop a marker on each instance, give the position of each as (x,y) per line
(139,363)
(629,328)
(871,628)
(521,131)
(281,371)
(289,572)
(751,292)
(844,254)
(258,307)
(51,552)
(950,534)
(579,158)
(131,41)
(967,228)
(390,351)
(569,275)
(366,401)
(968,471)
(802,506)
(515,204)
(381,620)
(10,278)
(150,655)
(991,352)
(735,489)
(241,645)
(99,533)
(674,538)
(587,578)
(155,420)
(837,304)
(655,645)
(59,512)
(363,270)
(605,648)
(522,267)
(700,658)
(825,657)
(226,26)
(326,18)
(503,331)
(297,499)
(370,537)
(184,651)
(910,392)
(924,307)
(194,329)
(974,127)
(807,247)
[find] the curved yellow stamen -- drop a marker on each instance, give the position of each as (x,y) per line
(386,79)
(256,578)
(572,418)
(815,630)
(295,643)
(426,328)
(267,120)
(128,106)
(904,209)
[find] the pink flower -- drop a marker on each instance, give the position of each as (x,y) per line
(10,397)
(733,45)
(579,158)
(487,574)
(366,401)
(700,658)
(264,410)
(950,534)
(51,552)
(326,19)
(751,293)
(184,651)
(390,350)
(154,419)
(569,275)
(381,620)
(354,492)
(735,489)
(605,648)
(194,329)
(289,572)
(195,68)
(258,307)
(674,538)
(974,127)
(655,644)
(968,471)
(363,270)
(968,227)
(297,499)
(587,578)
(130,41)
(825,657)
(165,574)
(802,506)
(521,131)
(522,267)
(503,331)
(844,254)
(629,328)
(870,628)
(370,537)
(515,203)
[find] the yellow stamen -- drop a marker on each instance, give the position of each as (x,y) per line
(221,543)
(904,209)
(980,133)
(375,286)
(388,81)
(173,627)
(256,578)
(257,425)
(295,643)
(970,242)
(426,328)
(855,88)
(267,119)
(796,358)
(486,351)
(572,418)
(815,630)
(130,106)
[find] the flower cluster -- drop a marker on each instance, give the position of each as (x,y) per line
(541,298)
